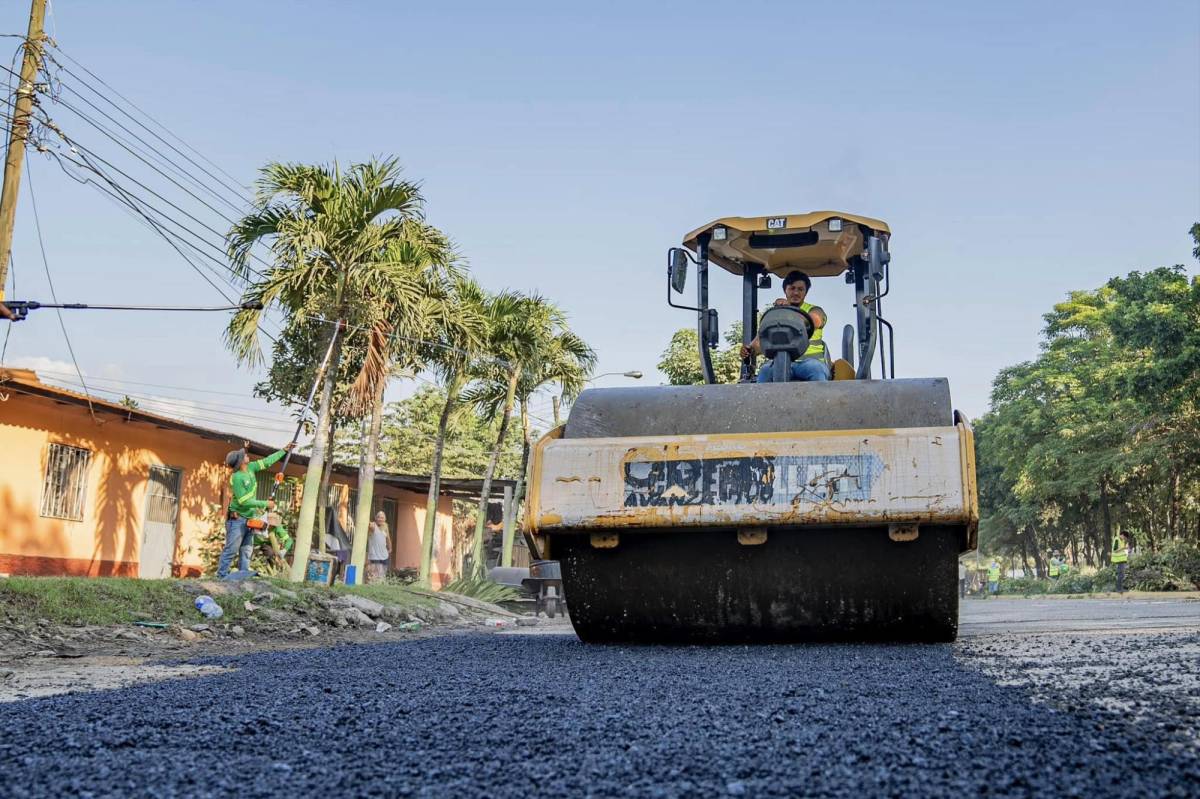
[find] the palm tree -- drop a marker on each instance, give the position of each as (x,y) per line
(327,231)
(526,339)
(452,362)
(417,310)
(564,360)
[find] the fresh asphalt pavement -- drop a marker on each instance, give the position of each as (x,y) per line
(1088,698)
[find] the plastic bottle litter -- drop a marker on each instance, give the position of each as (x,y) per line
(208,606)
(497,623)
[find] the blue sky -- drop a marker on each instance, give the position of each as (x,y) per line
(1018,150)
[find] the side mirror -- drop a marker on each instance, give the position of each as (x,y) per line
(677,264)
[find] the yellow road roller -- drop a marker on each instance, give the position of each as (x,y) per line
(788,510)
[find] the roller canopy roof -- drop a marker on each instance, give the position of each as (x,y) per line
(819,243)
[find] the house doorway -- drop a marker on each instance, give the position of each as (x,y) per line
(161,522)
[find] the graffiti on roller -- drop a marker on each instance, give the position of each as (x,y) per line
(761,480)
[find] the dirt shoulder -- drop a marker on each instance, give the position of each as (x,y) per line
(65,634)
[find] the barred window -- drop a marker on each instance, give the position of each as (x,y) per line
(267,488)
(66,482)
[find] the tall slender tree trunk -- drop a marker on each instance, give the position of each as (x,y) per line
(453,387)
(323,508)
(1173,525)
(366,485)
(316,464)
(1106,514)
(510,533)
(477,565)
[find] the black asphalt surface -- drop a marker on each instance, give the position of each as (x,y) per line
(485,715)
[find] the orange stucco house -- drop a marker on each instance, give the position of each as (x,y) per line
(89,487)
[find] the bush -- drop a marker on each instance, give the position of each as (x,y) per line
(1105,579)
(1073,583)
(1024,586)
(1175,567)
(1182,560)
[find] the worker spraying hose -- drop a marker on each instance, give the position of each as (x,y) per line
(244,505)
(247,515)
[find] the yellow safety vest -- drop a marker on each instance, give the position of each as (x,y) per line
(1053,568)
(1120,553)
(816,342)
(993,574)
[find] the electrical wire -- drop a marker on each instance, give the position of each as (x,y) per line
(66,55)
(135,154)
(165,160)
(85,151)
(149,385)
(50,282)
(189,407)
(81,306)
(133,209)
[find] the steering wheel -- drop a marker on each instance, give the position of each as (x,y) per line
(808,320)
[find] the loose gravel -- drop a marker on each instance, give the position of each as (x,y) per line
(500,716)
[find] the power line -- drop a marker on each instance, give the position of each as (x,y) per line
(189,407)
(143,113)
(150,385)
(86,151)
(122,197)
(179,170)
(50,282)
(121,387)
(115,139)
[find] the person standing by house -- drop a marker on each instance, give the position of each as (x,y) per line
(1120,558)
(379,549)
(994,577)
(243,487)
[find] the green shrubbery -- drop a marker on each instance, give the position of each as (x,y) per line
(1175,567)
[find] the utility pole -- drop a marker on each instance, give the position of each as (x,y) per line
(17,136)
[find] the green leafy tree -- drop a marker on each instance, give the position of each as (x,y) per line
(558,358)
(411,310)
(1101,432)
(521,334)
(451,360)
(680,362)
(328,232)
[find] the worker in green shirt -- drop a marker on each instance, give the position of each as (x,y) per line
(243,485)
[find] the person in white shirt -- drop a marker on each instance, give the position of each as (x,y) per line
(379,549)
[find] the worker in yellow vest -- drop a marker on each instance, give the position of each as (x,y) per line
(1052,568)
(815,363)
(1120,558)
(993,577)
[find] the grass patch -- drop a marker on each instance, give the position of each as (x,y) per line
(94,600)
(78,601)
